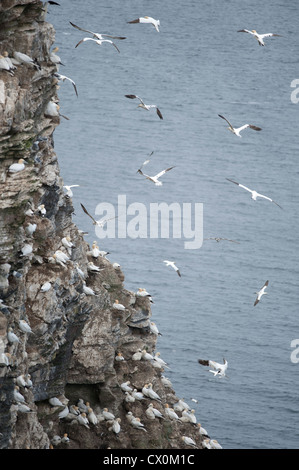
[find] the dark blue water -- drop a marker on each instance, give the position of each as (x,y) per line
(197,67)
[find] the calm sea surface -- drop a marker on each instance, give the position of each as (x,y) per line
(197,67)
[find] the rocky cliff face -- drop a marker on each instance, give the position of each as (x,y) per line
(73,350)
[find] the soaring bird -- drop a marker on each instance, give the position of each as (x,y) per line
(218,369)
(97,35)
(254,194)
(98,41)
(258,37)
(237,131)
(145,106)
(147,19)
(63,78)
(172,264)
(99,223)
(155,179)
(260,293)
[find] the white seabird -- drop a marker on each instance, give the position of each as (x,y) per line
(254,194)
(69,191)
(118,306)
(156,412)
(99,223)
(172,264)
(170,413)
(146,161)
(258,37)
(88,290)
(159,360)
(237,131)
(138,395)
(98,41)
(147,19)
(54,57)
(46,286)
(145,106)
(25,59)
(218,369)
(155,179)
(52,109)
(91,267)
(154,330)
(97,35)
(54,401)
(60,257)
(215,444)
(136,423)
(189,441)
(6,65)
(107,414)
(12,337)
(260,293)
(25,327)
(63,78)
(18,397)
(30,229)
(68,244)
(125,386)
(16,167)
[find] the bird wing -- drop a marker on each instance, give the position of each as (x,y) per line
(86,212)
(132,97)
(226,120)
(204,362)
(159,113)
(245,31)
(269,199)
(268,35)
(72,82)
(242,127)
(163,172)
(135,21)
(227,239)
(255,128)
(81,29)
(241,185)
(113,44)
(256,301)
(82,40)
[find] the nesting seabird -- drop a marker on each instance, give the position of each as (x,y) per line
(63,78)
(99,223)
(16,167)
(25,59)
(237,131)
(25,327)
(54,57)
(258,37)
(98,41)
(147,19)
(254,194)
(118,306)
(189,441)
(7,65)
(218,369)
(172,264)
(260,293)
(155,179)
(145,106)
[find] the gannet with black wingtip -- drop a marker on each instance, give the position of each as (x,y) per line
(258,37)
(154,330)
(260,293)
(237,131)
(63,78)
(21,58)
(254,194)
(145,106)
(98,41)
(52,109)
(189,441)
(172,264)
(97,35)
(99,223)
(54,58)
(118,306)
(218,369)
(147,19)
(146,161)
(155,179)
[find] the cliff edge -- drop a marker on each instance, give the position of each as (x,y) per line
(63,341)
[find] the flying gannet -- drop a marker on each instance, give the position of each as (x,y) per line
(145,106)
(258,37)
(172,264)
(147,19)
(260,293)
(237,131)
(63,78)
(254,194)
(146,161)
(218,369)
(155,179)
(98,41)
(97,35)
(99,223)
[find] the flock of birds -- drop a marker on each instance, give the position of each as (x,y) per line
(83,413)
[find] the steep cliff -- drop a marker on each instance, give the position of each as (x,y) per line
(73,350)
